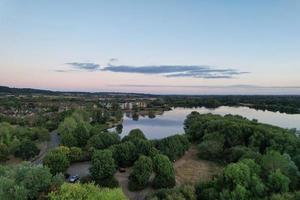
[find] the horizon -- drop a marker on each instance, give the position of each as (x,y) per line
(169,47)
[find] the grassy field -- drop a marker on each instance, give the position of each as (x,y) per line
(191,169)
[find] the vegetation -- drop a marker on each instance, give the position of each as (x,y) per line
(103,140)
(75,130)
(260,157)
(185,192)
(86,191)
(57,160)
(142,170)
(26,150)
(286,104)
(20,141)
(124,154)
(103,168)
(164,172)
(173,147)
(26,181)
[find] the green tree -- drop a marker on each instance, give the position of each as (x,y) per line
(86,192)
(124,154)
(57,161)
(141,173)
(103,166)
(4,152)
(133,135)
(75,154)
(9,189)
(81,133)
(103,140)
(164,172)
(278,183)
(27,150)
(35,179)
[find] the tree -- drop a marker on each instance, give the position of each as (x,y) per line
(278,183)
(119,128)
(9,189)
(86,191)
(184,192)
(24,181)
(4,152)
(103,166)
(164,172)
(124,154)
(35,179)
(133,135)
(103,140)
(141,173)
(173,146)
(145,147)
(27,150)
(75,154)
(81,133)
(57,161)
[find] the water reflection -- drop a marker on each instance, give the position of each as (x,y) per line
(171,122)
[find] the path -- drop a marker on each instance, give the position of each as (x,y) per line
(53,143)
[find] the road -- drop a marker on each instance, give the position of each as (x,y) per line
(53,143)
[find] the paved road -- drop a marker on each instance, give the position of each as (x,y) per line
(53,143)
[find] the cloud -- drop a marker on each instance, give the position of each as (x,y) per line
(84,66)
(113,60)
(194,71)
(189,71)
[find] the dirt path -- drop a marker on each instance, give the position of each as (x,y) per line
(190,169)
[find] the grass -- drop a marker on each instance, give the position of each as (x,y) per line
(191,169)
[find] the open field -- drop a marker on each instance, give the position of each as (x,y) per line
(191,169)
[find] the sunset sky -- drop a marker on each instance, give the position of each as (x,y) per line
(157,46)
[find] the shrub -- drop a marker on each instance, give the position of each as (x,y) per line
(57,161)
(27,150)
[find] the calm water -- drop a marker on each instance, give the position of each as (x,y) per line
(171,122)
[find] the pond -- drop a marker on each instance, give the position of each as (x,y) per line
(171,122)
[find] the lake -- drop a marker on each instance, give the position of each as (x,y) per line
(171,122)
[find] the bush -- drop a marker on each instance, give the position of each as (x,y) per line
(164,172)
(86,191)
(4,152)
(27,150)
(57,161)
(75,154)
(142,170)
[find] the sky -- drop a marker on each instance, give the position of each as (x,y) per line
(158,46)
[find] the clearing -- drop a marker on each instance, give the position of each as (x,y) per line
(190,169)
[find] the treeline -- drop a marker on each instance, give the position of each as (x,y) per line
(262,161)
(284,104)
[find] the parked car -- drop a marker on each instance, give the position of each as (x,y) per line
(73,179)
